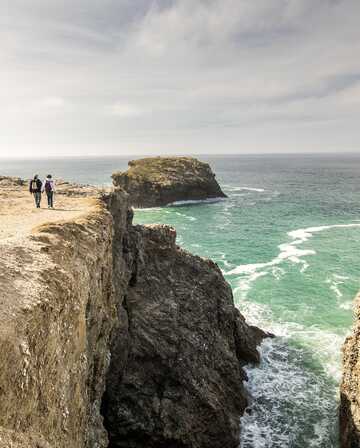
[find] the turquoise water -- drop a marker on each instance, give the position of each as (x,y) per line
(295,282)
(287,239)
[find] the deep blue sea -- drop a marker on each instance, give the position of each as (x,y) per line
(287,239)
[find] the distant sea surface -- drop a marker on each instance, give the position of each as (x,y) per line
(288,241)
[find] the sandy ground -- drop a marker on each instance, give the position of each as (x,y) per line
(21,258)
(19,217)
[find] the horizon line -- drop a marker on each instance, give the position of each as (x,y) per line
(137,156)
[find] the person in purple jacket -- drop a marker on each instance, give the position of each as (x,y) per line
(49,188)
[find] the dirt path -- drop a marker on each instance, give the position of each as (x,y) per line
(19,217)
(21,258)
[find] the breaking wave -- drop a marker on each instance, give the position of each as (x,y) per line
(194,202)
(275,418)
(300,363)
(233,188)
(290,251)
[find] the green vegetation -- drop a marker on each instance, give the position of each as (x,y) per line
(162,169)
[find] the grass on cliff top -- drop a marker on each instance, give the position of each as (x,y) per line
(157,169)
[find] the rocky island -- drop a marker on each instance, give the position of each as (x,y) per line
(110,334)
(160,181)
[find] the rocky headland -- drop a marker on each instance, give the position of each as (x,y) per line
(159,181)
(110,334)
(176,377)
(350,386)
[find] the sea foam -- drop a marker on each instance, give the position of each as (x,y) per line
(290,251)
(195,201)
(303,235)
(234,188)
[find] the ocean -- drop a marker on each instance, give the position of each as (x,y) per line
(287,240)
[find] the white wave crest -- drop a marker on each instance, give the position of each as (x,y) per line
(336,282)
(195,201)
(281,401)
(302,235)
(147,209)
(290,251)
(234,188)
(257,190)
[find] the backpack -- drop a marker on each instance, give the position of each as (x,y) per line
(34,185)
(48,186)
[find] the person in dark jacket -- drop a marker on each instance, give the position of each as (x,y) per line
(35,189)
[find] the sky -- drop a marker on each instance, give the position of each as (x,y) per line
(121,77)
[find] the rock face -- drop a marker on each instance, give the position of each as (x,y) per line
(159,181)
(57,310)
(101,319)
(176,377)
(350,387)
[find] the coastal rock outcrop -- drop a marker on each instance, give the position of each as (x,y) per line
(350,386)
(113,336)
(159,181)
(57,311)
(178,382)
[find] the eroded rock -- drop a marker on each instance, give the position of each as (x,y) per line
(76,295)
(158,181)
(57,311)
(176,377)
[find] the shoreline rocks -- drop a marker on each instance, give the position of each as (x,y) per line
(175,377)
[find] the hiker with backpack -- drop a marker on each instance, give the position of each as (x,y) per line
(49,188)
(35,188)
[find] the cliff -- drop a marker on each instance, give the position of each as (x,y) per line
(176,378)
(57,310)
(159,181)
(103,319)
(350,386)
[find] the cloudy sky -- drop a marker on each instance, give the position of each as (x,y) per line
(96,77)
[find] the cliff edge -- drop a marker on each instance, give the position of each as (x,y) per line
(160,181)
(350,386)
(57,310)
(110,334)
